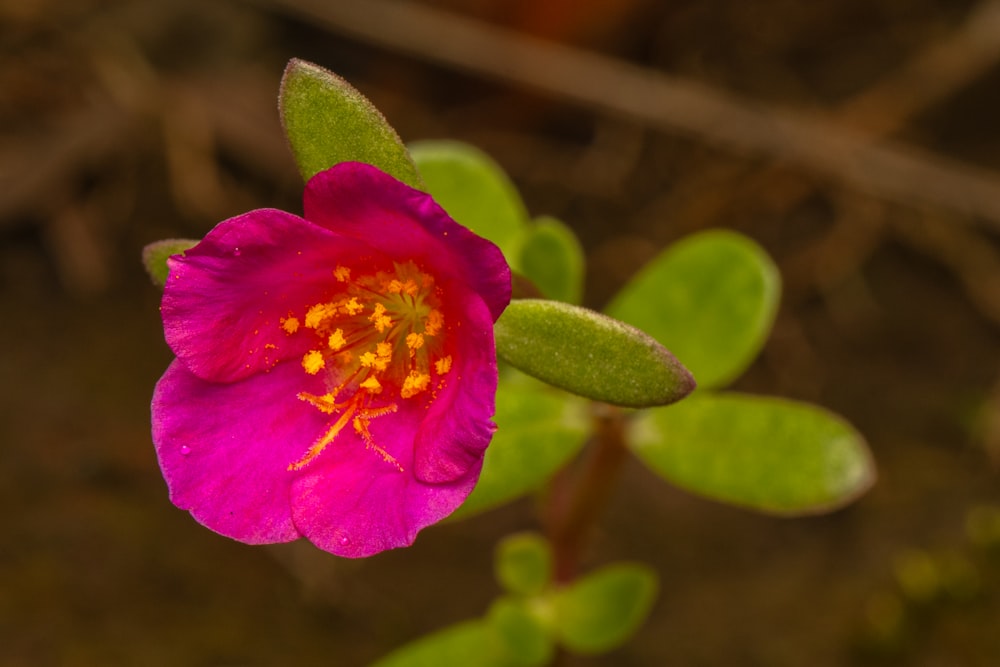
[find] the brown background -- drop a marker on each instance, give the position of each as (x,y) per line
(123,122)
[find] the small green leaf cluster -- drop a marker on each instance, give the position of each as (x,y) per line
(701,310)
(535,617)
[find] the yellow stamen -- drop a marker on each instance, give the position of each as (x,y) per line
(325,440)
(380,319)
(414,383)
(433,323)
(352,307)
(336,340)
(443,365)
(371,324)
(325,403)
(318,313)
(414,341)
(372,385)
(313,362)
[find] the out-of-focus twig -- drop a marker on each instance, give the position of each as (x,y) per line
(897,173)
(932,76)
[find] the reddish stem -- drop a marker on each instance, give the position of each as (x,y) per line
(577,496)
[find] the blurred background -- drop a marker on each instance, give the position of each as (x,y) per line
(857,140)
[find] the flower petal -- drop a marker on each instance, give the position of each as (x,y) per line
(409,224)
(224,449)
(352,503)
(225,298)
(457,427)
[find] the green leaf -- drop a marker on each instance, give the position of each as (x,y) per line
(519,628)
(538,431)
(155,255)
(460,645)
(589,354)
(711,298)
(769,454)
(474,190)
(524,563)
(552,257)
(327,122)
(603,610)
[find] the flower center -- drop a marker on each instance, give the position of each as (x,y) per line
(379,340)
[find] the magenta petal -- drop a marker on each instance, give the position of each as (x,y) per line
(407,223)
(224,300)
(224,449)
(336,375)
(354,504)
(457,428)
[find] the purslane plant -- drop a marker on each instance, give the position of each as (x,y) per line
(336,377)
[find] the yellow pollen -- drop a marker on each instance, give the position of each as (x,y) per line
(313,361)
(318,313)
(443,365)
(352,307)
(414,341)
(361,331)
(414,383)
(336,340)
(433,323)
(372,385)
(380,319)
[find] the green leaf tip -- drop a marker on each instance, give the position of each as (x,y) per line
(603,610)
(711,298)
(524,563)
(155,255)
(589,354)
(327,121)
(768,454)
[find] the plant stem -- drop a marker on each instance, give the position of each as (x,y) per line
(577,496)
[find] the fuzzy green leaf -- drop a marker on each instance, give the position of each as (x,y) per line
(474,190)
(589,354)
(155,255)
(552,257)
(327,121)
(460,645)
(769,454)
(520,631)
(524,563)
(539,429)
(604,609)
(711,298)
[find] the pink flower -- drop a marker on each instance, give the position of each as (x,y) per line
(335,374)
